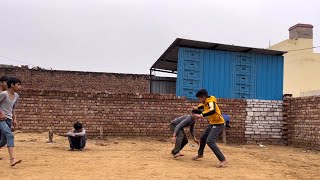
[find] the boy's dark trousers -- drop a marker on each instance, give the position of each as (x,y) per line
(181,140)
(77,142)
(209,136)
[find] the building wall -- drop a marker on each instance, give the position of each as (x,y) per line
(163,85)
(264,122)
(229,74)
(78,81)
(294,121)
(303,119)
(119,114)
(301,68)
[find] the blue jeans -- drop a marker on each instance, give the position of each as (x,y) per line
(7,137)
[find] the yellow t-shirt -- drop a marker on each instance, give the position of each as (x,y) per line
(212,111)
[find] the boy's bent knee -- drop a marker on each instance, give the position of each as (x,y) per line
(10,136)
(203,138)
(210,141)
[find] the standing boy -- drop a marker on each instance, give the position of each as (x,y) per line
(8,102)
(214,129)
(179,137)
(77,137)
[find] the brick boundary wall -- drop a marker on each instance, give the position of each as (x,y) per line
(303,115)
(138,114)
(264,122)
(78,81)
(120,114)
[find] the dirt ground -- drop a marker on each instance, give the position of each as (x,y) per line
(120,158)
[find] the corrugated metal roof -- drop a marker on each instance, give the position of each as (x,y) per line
(169,59)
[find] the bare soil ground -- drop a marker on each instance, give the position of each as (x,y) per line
(120,158)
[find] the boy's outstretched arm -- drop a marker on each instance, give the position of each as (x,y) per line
(15,122)
(2,115)
(14,115)
(182,124)
(200,106)
(192,134)
(211,110)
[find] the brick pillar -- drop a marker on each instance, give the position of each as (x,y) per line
(264,122)
(287,127)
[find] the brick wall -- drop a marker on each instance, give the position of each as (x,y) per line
(120,114)
(264,122)
(76,80)
(236,109)
(106,102)
(304,121)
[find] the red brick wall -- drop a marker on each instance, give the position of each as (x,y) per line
(304,121)
(122,112)
(78,81)
(236,109)
(119,114)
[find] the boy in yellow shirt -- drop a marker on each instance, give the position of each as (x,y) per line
(216,124)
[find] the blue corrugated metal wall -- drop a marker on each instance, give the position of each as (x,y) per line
(189,77)
(229,74)
(217,73)
(269,77)
(244,76)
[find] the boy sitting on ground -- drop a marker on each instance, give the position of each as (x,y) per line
(77,137)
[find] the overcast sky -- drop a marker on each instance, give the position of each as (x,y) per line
(128,36)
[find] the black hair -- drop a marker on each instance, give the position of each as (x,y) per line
(13,80)
(77,126)
(202,93)
(4,78)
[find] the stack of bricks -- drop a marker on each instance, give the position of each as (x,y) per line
(264,123)
(304,122)
(119,114)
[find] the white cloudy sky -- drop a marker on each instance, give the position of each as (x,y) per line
(128,36)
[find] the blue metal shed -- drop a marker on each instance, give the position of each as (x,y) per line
(226,71)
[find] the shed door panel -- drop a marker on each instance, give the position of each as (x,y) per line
(244,74)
